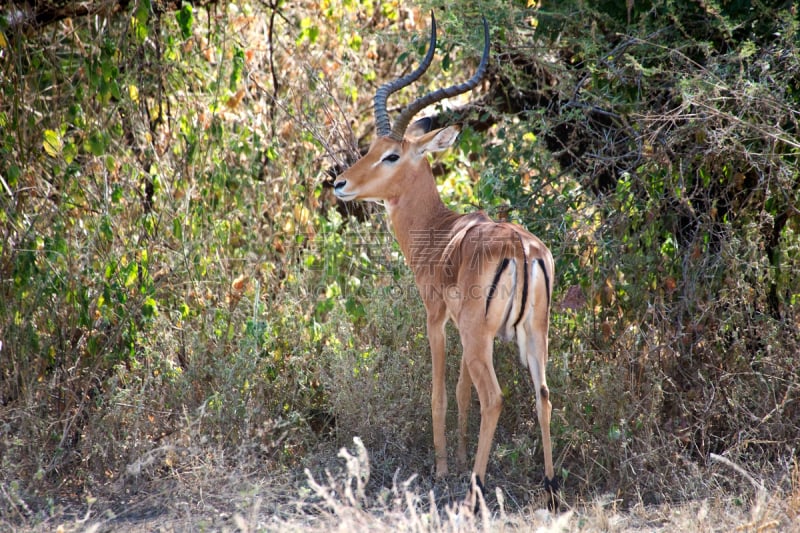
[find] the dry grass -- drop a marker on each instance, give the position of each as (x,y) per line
(208,496)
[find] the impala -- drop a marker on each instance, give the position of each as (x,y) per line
(492,279)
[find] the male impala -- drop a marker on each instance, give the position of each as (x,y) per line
(492,279)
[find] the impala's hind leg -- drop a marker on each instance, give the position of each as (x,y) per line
(464,399)
(533,352)
(478,360)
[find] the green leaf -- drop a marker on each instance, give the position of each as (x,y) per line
(355,42)
(149,308)
(446,61)
(185,20)
(143,11)
(14,172)
(355,309)
(70,152)
(238,68)
(106,229)
(308,31)
(52,143)
(131,274)
(97,144)
(177,229)
(139,21)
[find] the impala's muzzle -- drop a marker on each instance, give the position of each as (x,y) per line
(338,190)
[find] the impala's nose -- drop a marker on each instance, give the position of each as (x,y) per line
(338,188)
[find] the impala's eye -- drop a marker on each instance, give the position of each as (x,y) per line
(391,158)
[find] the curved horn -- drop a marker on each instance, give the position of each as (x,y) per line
(381,114)
(402,120)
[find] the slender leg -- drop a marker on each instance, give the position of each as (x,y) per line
(478,356)
(537,363)
(464,399)
(436,338)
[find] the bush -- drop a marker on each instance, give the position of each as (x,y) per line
(183,309)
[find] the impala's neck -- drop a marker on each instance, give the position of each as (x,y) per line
(421,222)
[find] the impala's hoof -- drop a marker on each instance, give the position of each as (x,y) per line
(551,487)
(477,492)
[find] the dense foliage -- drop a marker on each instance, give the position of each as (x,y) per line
(180,294)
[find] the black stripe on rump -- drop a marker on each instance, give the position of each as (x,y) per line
(493,287)
(524,283)
(546,280)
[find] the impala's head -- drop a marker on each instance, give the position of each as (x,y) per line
(399,151)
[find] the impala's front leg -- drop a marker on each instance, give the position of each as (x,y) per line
(436,338)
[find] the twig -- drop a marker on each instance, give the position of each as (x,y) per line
(739,469)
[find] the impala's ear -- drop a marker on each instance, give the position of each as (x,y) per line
(420,127)
(438,140)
